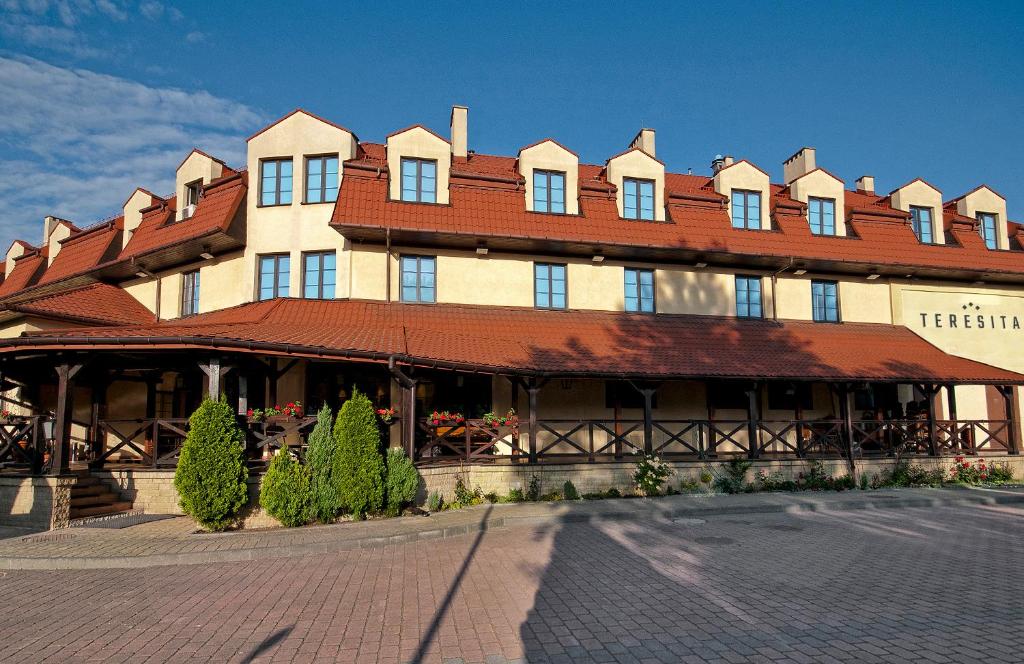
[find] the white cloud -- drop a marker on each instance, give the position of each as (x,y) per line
(54,24)
(75,143)
(195,37)
(151,9)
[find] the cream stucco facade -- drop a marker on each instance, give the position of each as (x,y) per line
(822,184)
(639,165)
(744,176)
(919,193)
(550,156)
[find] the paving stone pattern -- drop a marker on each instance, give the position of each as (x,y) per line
(908,585)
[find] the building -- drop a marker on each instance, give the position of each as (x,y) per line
(617,308)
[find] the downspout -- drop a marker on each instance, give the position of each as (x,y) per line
(159,283)
(387,272)
(775,282)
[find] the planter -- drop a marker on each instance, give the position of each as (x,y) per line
(280,419)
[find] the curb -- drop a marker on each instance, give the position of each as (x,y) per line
(501,522)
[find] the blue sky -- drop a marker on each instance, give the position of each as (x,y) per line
(98,96)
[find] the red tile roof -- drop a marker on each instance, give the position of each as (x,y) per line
(84,251)
(93,304)
(517,340)
(26,268)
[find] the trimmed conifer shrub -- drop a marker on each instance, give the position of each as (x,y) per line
(403,481)
(211,472)
(285,492)
(325,503)
(358,470)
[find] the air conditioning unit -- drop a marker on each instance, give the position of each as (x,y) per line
(188,211)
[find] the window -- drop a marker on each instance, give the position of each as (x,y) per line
(274,274)
(638,199)
(418,278)
(748,297)
(318,275)
(190,293)
(723,395)
(192,190)
(788,396)
(276,182)
(549,191)
(821,212)
(549,286)
(746,209)
(419,180)
(921,221)
(640,290)
(825,301)
(987,228)
(322,179)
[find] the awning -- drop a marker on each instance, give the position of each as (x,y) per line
(545,343)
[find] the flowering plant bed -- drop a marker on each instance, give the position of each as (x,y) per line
(271,414)
(437,418)
(387,415)
(509,419)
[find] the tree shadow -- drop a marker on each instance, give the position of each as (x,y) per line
(268,643)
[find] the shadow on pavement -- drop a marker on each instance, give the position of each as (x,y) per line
(268,643)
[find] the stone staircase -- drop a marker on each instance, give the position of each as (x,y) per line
(91,497)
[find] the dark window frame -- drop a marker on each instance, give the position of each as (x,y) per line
(839,309)
(835,221)
(320,255)
(193,190)
(635,183)
(276,275)
(746,219)
(547,174)
(190,284)
(917,226)
(419,259)
(322,158)
(982,216)
(551,306)
(639,297)
(277,161)
(760,292)
(419,179)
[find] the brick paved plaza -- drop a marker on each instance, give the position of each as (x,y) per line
(859,586)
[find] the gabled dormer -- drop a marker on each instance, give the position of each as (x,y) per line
(17,249)
(133,207)
(551,172)
(823,193)
(924,203)
(56,230)
(988,209)
(639,179)
(197,170)
(747,190)
(419,166)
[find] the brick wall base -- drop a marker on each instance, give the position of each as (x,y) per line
(40,503)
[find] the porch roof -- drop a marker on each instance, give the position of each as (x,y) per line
(527,341)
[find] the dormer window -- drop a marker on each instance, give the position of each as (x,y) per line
(921,221)
(419,180)
(322,179)
(549,191)
(746,209)
(276,182)
(192,191)
(638,199)
(821,213)
(987,228)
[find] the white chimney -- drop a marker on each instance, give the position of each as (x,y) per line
(866,184)
(49,223)
(720,162)
(645,141)
(799,164)
(460,131)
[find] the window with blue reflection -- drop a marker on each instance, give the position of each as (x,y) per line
(746,209)
(549,191)
(638,199)
(419,180)
(549,286)
(639,290)
(921,221)
(825,301)
(418,278)
(190,293)
(318,275)
(748,297)
(987,228)
(821,213)
(274,275)
(321,179)
(276,182)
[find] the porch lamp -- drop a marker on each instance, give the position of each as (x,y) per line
(48,428)
(873,276)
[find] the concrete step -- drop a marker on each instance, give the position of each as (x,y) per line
(105,498)
(111,508)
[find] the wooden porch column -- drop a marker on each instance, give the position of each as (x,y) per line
(272,377)
(847,417)
(62,422)
(99,400)
(951,407)
(532,390)
(1012,427)
(933,435)
(215,371)
(648,391)
(753,417)
(410,421)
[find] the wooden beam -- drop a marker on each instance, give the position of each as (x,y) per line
(215,371)
(62,421)
(532,390)
(1012,428)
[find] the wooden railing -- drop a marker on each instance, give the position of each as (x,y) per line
(22,444)
(595,440)
(156,441)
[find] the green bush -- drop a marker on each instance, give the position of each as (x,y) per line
(358,468)
(533,489)
(434,502)
(774,481)
(285,492)
(403,481)
(211,472)
(733,478)
(516,495)
(1000,473)
(613,493)
(651,472)
(569,491)
(324,499)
